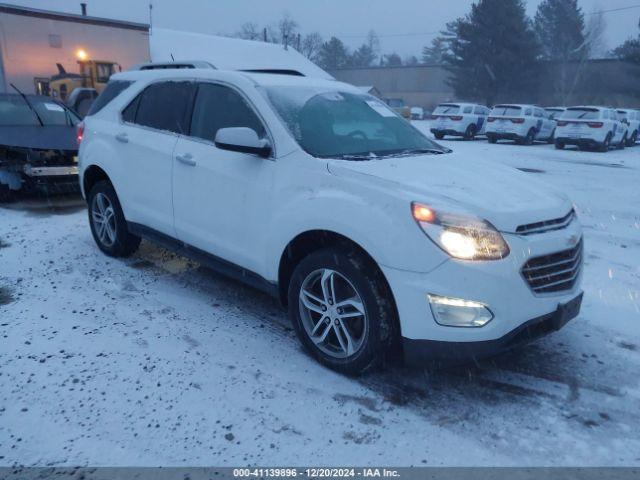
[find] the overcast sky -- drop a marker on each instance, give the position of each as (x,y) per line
(404,26)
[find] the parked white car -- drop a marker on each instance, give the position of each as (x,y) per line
(417,113)
(632,119)
(591,127)
(554,112)
(522,123)
(370,233)
(459,120)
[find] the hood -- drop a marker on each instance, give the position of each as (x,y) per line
(455,183)
(53,137)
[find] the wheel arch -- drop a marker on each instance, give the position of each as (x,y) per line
(92,175)
(311,241)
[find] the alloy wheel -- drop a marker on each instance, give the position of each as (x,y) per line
(104,219)
(333,314)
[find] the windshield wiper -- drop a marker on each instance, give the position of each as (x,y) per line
(414,151)
(26,100)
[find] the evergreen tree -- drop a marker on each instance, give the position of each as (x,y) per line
(493,50)
(434,54)
(559,26)
(560,29)
(391,59)
(363,56)
(629,51)
(333,54)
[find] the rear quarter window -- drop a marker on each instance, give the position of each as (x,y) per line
(111,91)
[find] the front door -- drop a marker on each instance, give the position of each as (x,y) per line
(218,194)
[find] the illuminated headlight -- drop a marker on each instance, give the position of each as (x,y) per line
(463,237)
(455,312)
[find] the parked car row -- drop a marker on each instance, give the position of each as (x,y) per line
(583,126)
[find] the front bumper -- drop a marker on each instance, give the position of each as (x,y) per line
(439,353)
(580,142)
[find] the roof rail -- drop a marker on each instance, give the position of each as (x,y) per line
(173,65)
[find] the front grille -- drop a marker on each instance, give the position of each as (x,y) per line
(555,272)
(547,225)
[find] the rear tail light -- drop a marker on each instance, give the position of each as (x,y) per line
(434,117)
(491,119)
(595,124)
(456,118)
(517,120)
(563,124)
(80,132)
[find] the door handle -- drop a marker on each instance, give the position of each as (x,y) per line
(122,137)
(187,159)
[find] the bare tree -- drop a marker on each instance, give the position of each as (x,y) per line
(594,35)
(310,46)
(288,28)
(249,31)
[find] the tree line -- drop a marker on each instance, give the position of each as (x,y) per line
(494,49)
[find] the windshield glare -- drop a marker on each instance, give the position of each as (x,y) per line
(14,111)
(339,124)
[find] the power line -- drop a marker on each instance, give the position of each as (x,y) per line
(437,32)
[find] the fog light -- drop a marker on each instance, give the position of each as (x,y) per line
(455,312)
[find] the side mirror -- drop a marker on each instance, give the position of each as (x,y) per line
(242,139)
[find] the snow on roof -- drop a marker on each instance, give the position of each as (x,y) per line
(229,53)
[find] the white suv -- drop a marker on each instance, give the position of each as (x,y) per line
(374,236)
(632,119)
(591,127)
(464,120)
(522,123)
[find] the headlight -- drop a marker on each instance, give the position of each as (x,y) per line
(463,237)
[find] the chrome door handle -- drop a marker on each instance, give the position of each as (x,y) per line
(122,137)
(187,159)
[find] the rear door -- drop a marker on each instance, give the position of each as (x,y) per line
(146,139)
(217,192)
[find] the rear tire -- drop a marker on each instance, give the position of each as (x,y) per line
(320,284)
(559,145)
(492,139)
(631,142)
(551,139)
(439,136)
(108,225)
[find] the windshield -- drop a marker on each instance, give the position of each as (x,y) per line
(581,113)
(14,111)
(446,109)
(506,111)
(338,124)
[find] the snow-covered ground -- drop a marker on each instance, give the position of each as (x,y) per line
(155,361)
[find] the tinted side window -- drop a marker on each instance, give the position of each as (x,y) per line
(527,112)
(467,110)
(129,113)
(219,107)
(111,91)
(164,106)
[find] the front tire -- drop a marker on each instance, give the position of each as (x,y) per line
(342,310)
(632,139)
(108,225)
(604,146)
(470,133)
(623,143)
(439,135)
(559,145)
(492,139)
(528,140)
